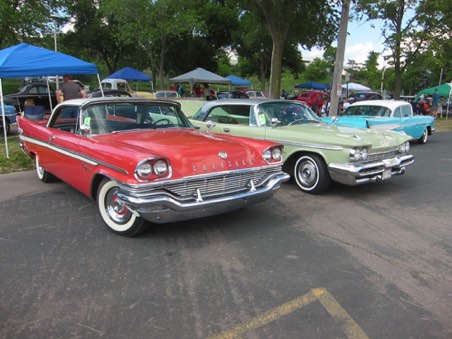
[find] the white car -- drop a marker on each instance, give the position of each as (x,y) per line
(166,94)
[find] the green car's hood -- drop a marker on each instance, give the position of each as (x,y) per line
(326,134)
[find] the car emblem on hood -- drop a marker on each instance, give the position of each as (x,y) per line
(223,155)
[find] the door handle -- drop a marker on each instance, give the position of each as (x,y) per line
(52,138)
(227,130)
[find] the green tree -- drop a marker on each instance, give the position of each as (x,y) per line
(25,21)
(407,35)
(318,70)
(309,23)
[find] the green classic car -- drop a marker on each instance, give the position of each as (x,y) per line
(315,152)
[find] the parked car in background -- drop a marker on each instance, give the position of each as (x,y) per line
(232,95)
(123,85)
(142,160)
(396,115)
(361,96)
(315,152)
(108,93)
(10,118)
(166,94)
(314,99)
(37,92)
(255,94)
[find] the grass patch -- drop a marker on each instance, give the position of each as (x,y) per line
(442,125)
(18,161)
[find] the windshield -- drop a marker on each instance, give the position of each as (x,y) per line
(119,117)
(285,113)
(371,111)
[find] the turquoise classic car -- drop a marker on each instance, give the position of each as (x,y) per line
(315,152)
(386,115)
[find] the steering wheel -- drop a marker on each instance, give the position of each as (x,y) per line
(163,122)
(295,121)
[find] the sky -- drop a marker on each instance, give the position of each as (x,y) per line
(361,39)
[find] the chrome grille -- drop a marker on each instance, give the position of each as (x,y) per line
(215,185)
(381,156)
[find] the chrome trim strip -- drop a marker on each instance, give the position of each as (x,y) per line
(71,154)
(300,144)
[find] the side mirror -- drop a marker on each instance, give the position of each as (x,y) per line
(85,130)
(275,122)
(210,125)
(334,119)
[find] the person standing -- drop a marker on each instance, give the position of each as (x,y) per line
(69,90)
(435,103)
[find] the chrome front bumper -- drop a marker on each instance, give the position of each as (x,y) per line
(159,206)
(362,173)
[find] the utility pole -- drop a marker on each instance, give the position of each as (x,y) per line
(336,90)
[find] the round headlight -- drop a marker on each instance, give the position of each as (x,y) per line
(276,153)
(407,146)
(267,155)
(160,167)
(364,153)
(355,154)
(144,170)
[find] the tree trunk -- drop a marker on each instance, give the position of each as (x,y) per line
(162,63)
(339,63)
(276,67)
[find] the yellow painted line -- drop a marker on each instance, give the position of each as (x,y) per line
(352,330)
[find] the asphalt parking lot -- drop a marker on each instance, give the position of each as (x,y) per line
(370,261)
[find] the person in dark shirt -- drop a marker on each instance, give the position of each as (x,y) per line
(69,90)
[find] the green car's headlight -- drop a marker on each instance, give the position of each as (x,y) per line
(357,154)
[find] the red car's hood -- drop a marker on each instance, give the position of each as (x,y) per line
(189,152)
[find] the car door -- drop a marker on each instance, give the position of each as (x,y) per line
(412,125)
(397,119)
(232,119)
(64,158)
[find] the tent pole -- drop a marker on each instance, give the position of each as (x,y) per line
(48,91)
(4,119)
(100,84)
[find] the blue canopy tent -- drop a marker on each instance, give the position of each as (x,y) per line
(25,60)
(237,81)
(130,74)
(313,85)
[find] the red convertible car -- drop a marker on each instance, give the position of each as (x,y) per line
(142,160)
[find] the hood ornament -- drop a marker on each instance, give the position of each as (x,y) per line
(223,155)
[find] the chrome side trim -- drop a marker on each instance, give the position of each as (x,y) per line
(71,154)
(300,144)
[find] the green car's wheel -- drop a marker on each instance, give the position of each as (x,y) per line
(311,174)
(114,212)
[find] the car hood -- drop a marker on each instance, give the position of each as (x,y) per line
(189,152)
(332,135)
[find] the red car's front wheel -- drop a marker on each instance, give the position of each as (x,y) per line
(115,213)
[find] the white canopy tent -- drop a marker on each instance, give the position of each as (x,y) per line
(353,86)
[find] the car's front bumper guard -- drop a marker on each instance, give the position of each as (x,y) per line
(163,207)
(356,174)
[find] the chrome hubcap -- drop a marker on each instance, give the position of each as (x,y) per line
(308,173)
(116,209)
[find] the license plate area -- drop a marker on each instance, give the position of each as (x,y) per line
(387,173)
